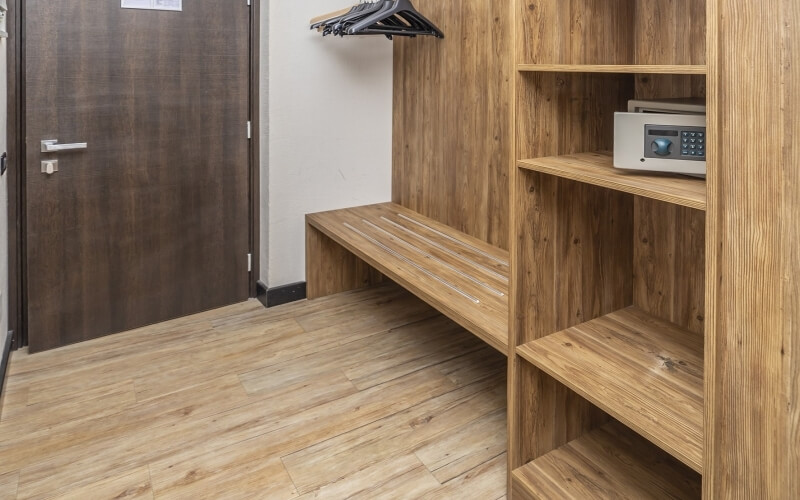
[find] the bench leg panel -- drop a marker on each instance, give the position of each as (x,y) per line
(331,269)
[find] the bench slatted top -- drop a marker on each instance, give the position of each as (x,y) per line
(463,277)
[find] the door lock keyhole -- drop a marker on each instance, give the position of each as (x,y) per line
(49,167)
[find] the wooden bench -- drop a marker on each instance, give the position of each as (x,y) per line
(464,278)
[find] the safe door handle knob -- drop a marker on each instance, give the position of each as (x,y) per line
(662,147)
(52,146)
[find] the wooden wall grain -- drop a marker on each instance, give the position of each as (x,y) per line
(669,240)
(669,262)
(752,445)
(575,32)
(671,32)
(618,32)
(452,118)
(567,113)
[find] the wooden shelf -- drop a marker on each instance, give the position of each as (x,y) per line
(598,169)
(610,462)
(665,69)
(645,372)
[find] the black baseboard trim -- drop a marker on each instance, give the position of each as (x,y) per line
(273,297)
(261,292)
(5,354)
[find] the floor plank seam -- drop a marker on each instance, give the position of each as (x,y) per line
(468,472)
(135,392)
(388,417)
(428,367)
(433,315)
(416,455)
(152,484)
(428,317)
(425,367)
(289,473)
(333,346)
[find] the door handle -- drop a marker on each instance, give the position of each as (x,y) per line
(52,146)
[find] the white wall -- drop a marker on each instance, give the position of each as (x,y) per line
(330,127)
(264,144)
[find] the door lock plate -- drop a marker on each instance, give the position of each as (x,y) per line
(49,167)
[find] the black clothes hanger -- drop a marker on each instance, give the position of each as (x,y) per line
(360,7)
(360,11)
(355,13)
(383,17)
(395,26)
(398,25)
(390,23)
(405,20)
(391,8)
(325,22)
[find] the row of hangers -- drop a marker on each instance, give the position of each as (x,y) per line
(383,17)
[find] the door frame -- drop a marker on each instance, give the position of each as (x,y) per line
(17,320)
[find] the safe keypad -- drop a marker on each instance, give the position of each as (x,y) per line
(693,144)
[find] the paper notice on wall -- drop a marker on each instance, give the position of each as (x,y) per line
(168,4)
(173,5)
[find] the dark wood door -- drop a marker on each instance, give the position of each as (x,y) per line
(151,220)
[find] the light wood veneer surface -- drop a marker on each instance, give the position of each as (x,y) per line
(598,169)
(616,68)
(610,462)
(643,371)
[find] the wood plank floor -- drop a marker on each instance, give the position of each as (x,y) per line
(367,394)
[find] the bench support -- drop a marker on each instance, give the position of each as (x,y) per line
(331,269)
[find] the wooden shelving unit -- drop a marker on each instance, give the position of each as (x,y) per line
(646,373)
(610,462)
(674,69)
(598,169)
(608,281)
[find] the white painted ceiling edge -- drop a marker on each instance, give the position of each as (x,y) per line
(329,128)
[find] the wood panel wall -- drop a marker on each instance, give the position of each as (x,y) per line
(752,442)
(671,32)
(669,262)
(452,118)
(575,32)
(618,32)
(669,242)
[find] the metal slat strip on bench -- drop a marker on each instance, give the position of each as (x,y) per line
(440,261)
(455,240)
(412,263)
(447,250)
